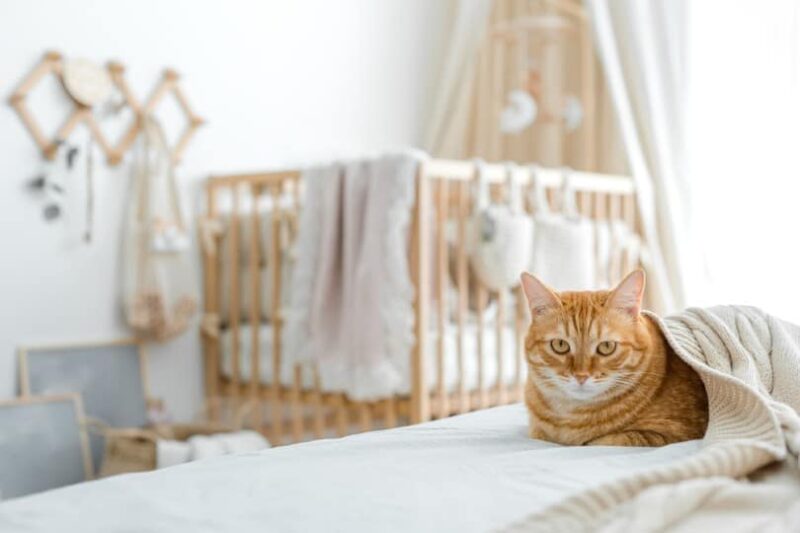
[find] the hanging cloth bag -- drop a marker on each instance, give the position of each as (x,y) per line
(500,235)
(563,249)
(160,294)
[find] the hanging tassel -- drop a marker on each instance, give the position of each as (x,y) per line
(87,235)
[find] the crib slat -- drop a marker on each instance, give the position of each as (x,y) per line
(316,396)
(255,305)
(420,274)
(584,203)
(235,292)
(502,397)
(600,206)
(554,199)
(501,324)
(295,187)
(616,266)
(297,407)
(519,336)
(391,412)
(364,416)
(629,211)
(463,290)
(614,207)
(483,393)
(441,284)
(481,295)
(213,290)
(275,264)
(341,415)
(319,415)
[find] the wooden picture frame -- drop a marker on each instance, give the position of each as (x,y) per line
(66,462)
(110,377)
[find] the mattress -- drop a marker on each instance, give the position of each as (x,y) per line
(469,347)
(475,472)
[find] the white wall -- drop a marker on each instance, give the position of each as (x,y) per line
(281,83)
(743,123)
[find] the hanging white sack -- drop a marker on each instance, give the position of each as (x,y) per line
(499,236)
(605,255)
(160,293)
(563,249)
(617,252)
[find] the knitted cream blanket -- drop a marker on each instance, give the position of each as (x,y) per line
(750,364)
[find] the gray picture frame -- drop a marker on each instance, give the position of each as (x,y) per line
(109,376)
(43,444)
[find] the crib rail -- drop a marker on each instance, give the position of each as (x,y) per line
(241,236)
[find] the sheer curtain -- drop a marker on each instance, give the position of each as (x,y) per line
(706,99)
(641,45)
(743,159)
(449,123)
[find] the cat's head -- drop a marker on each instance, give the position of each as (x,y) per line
(586,346)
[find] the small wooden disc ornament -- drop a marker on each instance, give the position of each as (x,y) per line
(87,83)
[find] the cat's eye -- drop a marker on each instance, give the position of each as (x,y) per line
(560,346)
(606,347)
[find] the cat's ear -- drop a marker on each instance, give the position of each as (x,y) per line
(540,296)
(627,296)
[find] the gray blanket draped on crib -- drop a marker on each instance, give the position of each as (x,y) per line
(351,294)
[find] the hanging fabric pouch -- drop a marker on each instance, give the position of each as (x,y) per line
(499,235)
(563,244)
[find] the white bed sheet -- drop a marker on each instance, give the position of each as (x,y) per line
(470,349)
(476,472)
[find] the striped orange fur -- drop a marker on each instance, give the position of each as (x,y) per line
(601,373)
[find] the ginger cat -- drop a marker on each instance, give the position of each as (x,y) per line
(601,373)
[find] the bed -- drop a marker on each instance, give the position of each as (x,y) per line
(480,471)
(474,472)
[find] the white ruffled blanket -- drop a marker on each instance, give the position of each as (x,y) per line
(351,293)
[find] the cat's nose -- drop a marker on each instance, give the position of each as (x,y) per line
(581,377)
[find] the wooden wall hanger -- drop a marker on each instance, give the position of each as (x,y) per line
(53,64)
(169,83)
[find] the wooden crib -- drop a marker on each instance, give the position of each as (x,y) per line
(291,412)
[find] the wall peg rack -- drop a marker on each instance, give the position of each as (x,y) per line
(53,64)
